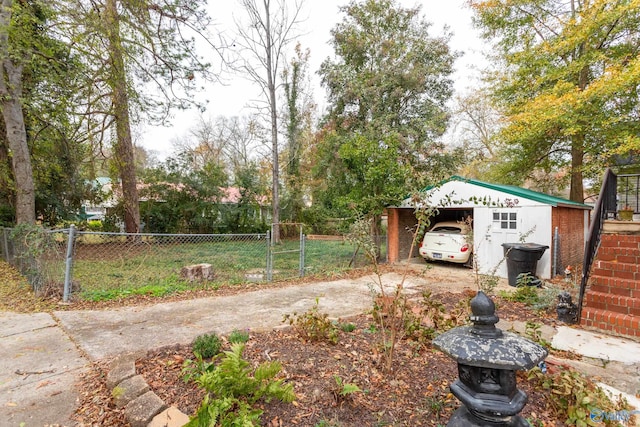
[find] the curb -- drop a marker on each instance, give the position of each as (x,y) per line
(142,408)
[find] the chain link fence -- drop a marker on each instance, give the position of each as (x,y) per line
(112,264)
(38,254)
(333,254)
(100,266)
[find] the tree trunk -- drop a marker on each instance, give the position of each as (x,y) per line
(124,146)
(11,104)
(376,223)
(271,85)
(576,192)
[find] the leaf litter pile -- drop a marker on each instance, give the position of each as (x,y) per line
(415,393)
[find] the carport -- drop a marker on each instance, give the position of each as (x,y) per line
(501,214)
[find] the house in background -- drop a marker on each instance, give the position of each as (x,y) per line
(500,214)
(99,211)
(231,197)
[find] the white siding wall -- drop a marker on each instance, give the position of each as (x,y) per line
(532,223)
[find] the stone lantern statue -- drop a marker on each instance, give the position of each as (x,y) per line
(488,359)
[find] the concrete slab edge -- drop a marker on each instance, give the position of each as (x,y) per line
(633,401)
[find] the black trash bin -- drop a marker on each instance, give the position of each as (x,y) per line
(522,258)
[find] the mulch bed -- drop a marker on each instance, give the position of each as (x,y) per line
(415,393)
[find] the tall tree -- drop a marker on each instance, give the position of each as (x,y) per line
(270,29)
(568,83)
(17,46)
(298,116)
(183,199)
(135,45)
(117,82)
(50,80)
(387,90)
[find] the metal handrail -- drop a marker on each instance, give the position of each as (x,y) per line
(605,206)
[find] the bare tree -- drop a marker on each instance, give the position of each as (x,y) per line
(231,142)
(270,29)
(478,122)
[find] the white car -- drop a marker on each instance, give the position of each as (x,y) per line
(447,241)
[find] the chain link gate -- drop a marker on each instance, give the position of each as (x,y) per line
(286,258)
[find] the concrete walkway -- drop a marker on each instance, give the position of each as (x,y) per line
(42,355)
(39,366)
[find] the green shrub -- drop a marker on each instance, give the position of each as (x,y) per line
(347,327)
(94,225)
(206,345)
(525,279)
(233,391)
(525,294)
(539,299)
(547,298)
(237,336)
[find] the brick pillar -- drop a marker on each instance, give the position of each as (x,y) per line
(393,224)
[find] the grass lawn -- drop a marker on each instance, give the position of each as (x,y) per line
(107,270)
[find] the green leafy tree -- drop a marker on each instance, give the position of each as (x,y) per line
(181,199)
(567,83)
(246,216)
(298,115)
(131,46)
(387,90)
(43,77)
(21,38)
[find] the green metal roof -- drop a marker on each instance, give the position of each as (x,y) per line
(518,191)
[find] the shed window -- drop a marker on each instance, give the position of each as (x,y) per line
(505,220)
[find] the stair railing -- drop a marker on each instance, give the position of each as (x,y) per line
(605,206)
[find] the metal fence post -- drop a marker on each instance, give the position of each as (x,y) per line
(269,257)
(69,263)
(5,244)
(303,241)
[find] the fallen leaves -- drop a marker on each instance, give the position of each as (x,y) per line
(416,393)
(17,295)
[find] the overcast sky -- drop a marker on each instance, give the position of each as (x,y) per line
(234,98)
